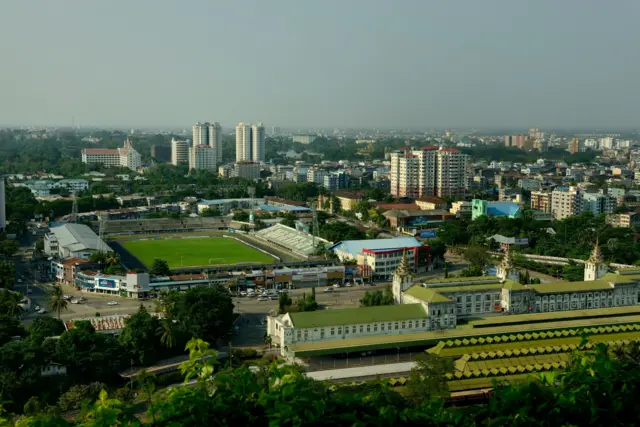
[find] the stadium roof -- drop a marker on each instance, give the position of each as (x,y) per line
(78,237)
(355,247)
(359,315)
(284,208)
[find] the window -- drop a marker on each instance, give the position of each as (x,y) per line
(404,325)
(333,331)
(496,296)
(375,328)
(368,328)
(410,324)
(487,297)
(306,335)
(382,326)
(361,328)
(468,298)
(396,326)
(424,323)
(340,330)
(353,330)
(322,333)
(478,308)
(389,326)
(478,297)
(298,334)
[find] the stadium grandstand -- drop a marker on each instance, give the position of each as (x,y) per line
(295,241)
(162,225)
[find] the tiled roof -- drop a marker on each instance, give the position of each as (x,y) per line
(101,151)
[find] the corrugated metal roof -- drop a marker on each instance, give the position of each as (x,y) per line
(77,237)
(355,247)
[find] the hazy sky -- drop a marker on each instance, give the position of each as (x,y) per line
(544,63)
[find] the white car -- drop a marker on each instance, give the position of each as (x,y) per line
(36,308)
(67,297)
(75,301)
(348,285)
(261,298)
(336,285)
(243,294)
(19,280)
(42,311)
(112,303)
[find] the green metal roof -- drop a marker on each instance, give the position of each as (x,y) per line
(468,288)
(469,280)
(564,287)
(426,294)
(351,316)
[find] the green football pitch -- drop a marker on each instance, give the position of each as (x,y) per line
(194,252)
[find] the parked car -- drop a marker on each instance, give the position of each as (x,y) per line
(112,303)
(75,301)
(243,294)
(336,285)
(42,311)
(36,308)
(328,290)
(348,285)
(261,298)
(273,297)
(67,297)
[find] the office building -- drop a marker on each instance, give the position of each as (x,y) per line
(161,153)
(125,157)
(304,138)
(541,201)
(202,157)
(179,152)
(247,170)
(316,175)
(627,220)
(336,181)
(565,202)
(428,171)
(597,203)
(575,146)
(250,140)
(209,134)
(515,141)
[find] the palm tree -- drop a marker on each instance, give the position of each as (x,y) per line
(56,301)
(112,259)
(11,304)
(167,332)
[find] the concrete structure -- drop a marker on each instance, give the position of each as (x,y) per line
(428,171)
(298,242)
(626,220)
(3,206)
(73,240)
(250,142)
(597,203)
(541,200)
(336,181)
(179,152)
(575,146)
(203,157)
(126,157)
(161,153)
(595,268)
(316,175)
(428,203)
(565,202)
(226,205)
(132,285)
(414,220)
(462,209)
(247,170)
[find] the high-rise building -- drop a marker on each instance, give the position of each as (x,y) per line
(203,157)
(574,146)
(3,207)
(541,201)
(179,152)
(161,153)
(515,141)
(316,176)
(250,142)
(125,157)
(597,203)
(209,134)
(428,171)
(565,202)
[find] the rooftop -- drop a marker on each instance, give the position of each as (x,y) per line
(77,237)
(426,294)
(101,151)
(562,287)
(359,315)
(356,246)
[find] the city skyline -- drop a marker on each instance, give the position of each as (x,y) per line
(356,64)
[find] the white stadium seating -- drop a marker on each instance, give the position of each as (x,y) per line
(289,238)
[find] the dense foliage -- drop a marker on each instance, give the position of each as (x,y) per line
(370,299)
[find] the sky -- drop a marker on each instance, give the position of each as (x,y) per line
(322,63)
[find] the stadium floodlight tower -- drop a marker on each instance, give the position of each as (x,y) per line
(3,208)
(252,202)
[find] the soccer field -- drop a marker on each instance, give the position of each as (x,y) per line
(194,252)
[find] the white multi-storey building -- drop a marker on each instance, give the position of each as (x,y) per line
(209,134)
(179,152)
(565,202)
(247,170)
(126,157)
(598,203)
(428,171)
(316,176)
(250,142)
(203,157)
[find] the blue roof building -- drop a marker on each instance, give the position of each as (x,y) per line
(495,209)
(349,249)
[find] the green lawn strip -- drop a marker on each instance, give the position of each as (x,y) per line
(459,351)
(191,252)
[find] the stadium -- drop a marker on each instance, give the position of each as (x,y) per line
(192,243)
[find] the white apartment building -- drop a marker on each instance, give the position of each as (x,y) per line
(250,142)
(428,171)
(209,134)
(247,170)
(203,157)
(126,157)
(598,203)
(565,202)
(179,152)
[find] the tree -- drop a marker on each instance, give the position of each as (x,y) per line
(7,274)
(57,303)
(210,212)
(476,256)
(205,313)
(160,267)
(446,270)
(284,301)
(98,257)
(139,337)
(437,249)
(10,304)
(168,331)
(44,327)
(573,272)
(427,378)
(371,299)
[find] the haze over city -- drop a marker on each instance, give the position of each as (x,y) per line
(331,63)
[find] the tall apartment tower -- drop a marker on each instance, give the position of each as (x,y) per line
(428,171)
(250,142)
(209,134)
(3,207)
(202,157)
(179,152)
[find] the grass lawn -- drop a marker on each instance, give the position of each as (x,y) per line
(195,252)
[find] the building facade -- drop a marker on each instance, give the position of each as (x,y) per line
(247,170)
(517,141)
(428,171)
(565,202)
(250,140)
(209,134)
(179,152)
(541,201)
(126,157)
(203,157)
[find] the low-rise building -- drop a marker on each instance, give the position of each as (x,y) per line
(73,241)
(461,209)
(627,220)
(132,285)
(541,200)
(494,209)
(247,170)
(429,203)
